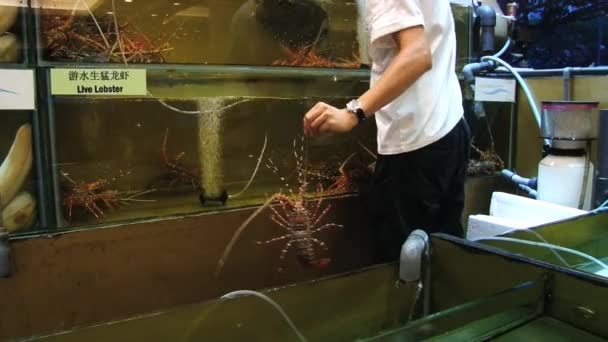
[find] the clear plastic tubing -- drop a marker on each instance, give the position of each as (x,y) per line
(523,86)
(547,245)
(245,293)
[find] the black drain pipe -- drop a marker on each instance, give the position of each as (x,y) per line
(486,24)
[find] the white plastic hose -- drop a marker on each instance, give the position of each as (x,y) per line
(521,82)
(547,245)
(245,293)
(539,237)
(523,86)
(504,49)
(602,208)
(255,171)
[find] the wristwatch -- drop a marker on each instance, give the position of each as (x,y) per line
(354,107)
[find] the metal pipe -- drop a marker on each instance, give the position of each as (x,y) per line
(426,300)
(601,182)
(581,202)
(513,133)
(415,267)
(515,178)
(531,192)
(567,75)
(487,22)
(603,144)
(574,71)
(529,185)
(470,70)
(512,13)
(412,251)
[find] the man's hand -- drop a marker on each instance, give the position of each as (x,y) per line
(323,118)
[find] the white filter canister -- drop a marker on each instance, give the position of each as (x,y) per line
(560,180)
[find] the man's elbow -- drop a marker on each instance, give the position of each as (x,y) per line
(426,58)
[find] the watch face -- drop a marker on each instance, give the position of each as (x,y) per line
(353,105)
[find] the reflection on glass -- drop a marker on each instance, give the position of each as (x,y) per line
(17,183)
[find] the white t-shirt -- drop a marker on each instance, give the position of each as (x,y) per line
(432,106)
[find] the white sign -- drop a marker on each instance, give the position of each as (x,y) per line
(17,90)
(494,89)
(462,2)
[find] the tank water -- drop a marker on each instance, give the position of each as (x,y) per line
(560,180)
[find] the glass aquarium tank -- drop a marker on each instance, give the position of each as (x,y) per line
(560,33)
(498,297)
(13,34)
(304,33)
(18,176)
(307,33)
(203,142)
(463,19)
(580,243)
(223,135)
(492,137)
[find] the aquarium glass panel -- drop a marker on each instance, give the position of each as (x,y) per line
(491,135)
(18,181)
(13,41)
(579,243)
(271,32)
(479,319)
(306,33)
(462,20)
(560,33)
(199,143)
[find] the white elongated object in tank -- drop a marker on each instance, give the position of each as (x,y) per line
(9,48)
(560,180)
(8,17)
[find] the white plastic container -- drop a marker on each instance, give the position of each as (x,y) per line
(560,180)
(481,226)
(511,212)
(532,212)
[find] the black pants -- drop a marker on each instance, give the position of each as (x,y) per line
(421,189)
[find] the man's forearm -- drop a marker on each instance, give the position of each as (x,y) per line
(412,61)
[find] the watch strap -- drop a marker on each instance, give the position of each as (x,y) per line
(356,109)
(360,115)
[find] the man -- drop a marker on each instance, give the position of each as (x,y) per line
(423,140)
